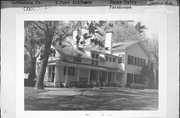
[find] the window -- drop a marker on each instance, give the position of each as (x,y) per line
(92,62)
(121,58)
(137,79)
(71,70)
(114,59)
(95,58)
(77,59)
(138,61)
(143,62)
(64,70)
(131,60)
(109,76)
(96,63)
(135,61)
(129,79)
(93,55)
(110,59)
(106,58)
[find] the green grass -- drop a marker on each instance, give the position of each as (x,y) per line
(89,99)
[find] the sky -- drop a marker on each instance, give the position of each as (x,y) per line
(152,27)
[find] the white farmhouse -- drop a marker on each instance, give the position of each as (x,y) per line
(120,64)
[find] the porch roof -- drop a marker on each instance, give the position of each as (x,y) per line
(81,65)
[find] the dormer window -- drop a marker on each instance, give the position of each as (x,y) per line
(95,58)
(93,55)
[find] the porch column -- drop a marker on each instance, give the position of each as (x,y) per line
(66,76)
(107,76)
(47,74)
(78,73)
(115,77)
(56,76)
(89,74)
(98,75)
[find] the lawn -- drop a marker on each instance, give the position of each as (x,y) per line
(90,99)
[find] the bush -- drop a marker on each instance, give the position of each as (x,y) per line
(73,84)
(111,85)
(29,83)
(137,86)
(82,84)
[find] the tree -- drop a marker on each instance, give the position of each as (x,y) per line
(147,76)
(51,32)
(31,44)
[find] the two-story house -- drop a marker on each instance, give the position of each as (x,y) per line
(121,64)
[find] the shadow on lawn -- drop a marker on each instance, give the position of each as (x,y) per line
(94,100)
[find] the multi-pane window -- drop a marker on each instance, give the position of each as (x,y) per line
(134,78)
(138,79)
(96,62)
(136,61)
(130,59)
(93,55)
(95,58)
(121,58)
(129,79)
(70,71)
(110,59)
(77,59)
(114,59)
(143,62)
(106,58)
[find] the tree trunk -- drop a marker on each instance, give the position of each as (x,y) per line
(41,73)
(32,73)
(40,77)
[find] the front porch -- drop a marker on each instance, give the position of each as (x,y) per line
(66,73)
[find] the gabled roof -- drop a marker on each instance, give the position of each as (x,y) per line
(123,45)
(71,51)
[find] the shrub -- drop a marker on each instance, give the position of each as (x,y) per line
(137,86)
(73,84)
(84,84)
(111,85)
(29,83)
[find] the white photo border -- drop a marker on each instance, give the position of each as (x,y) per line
(162,95)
